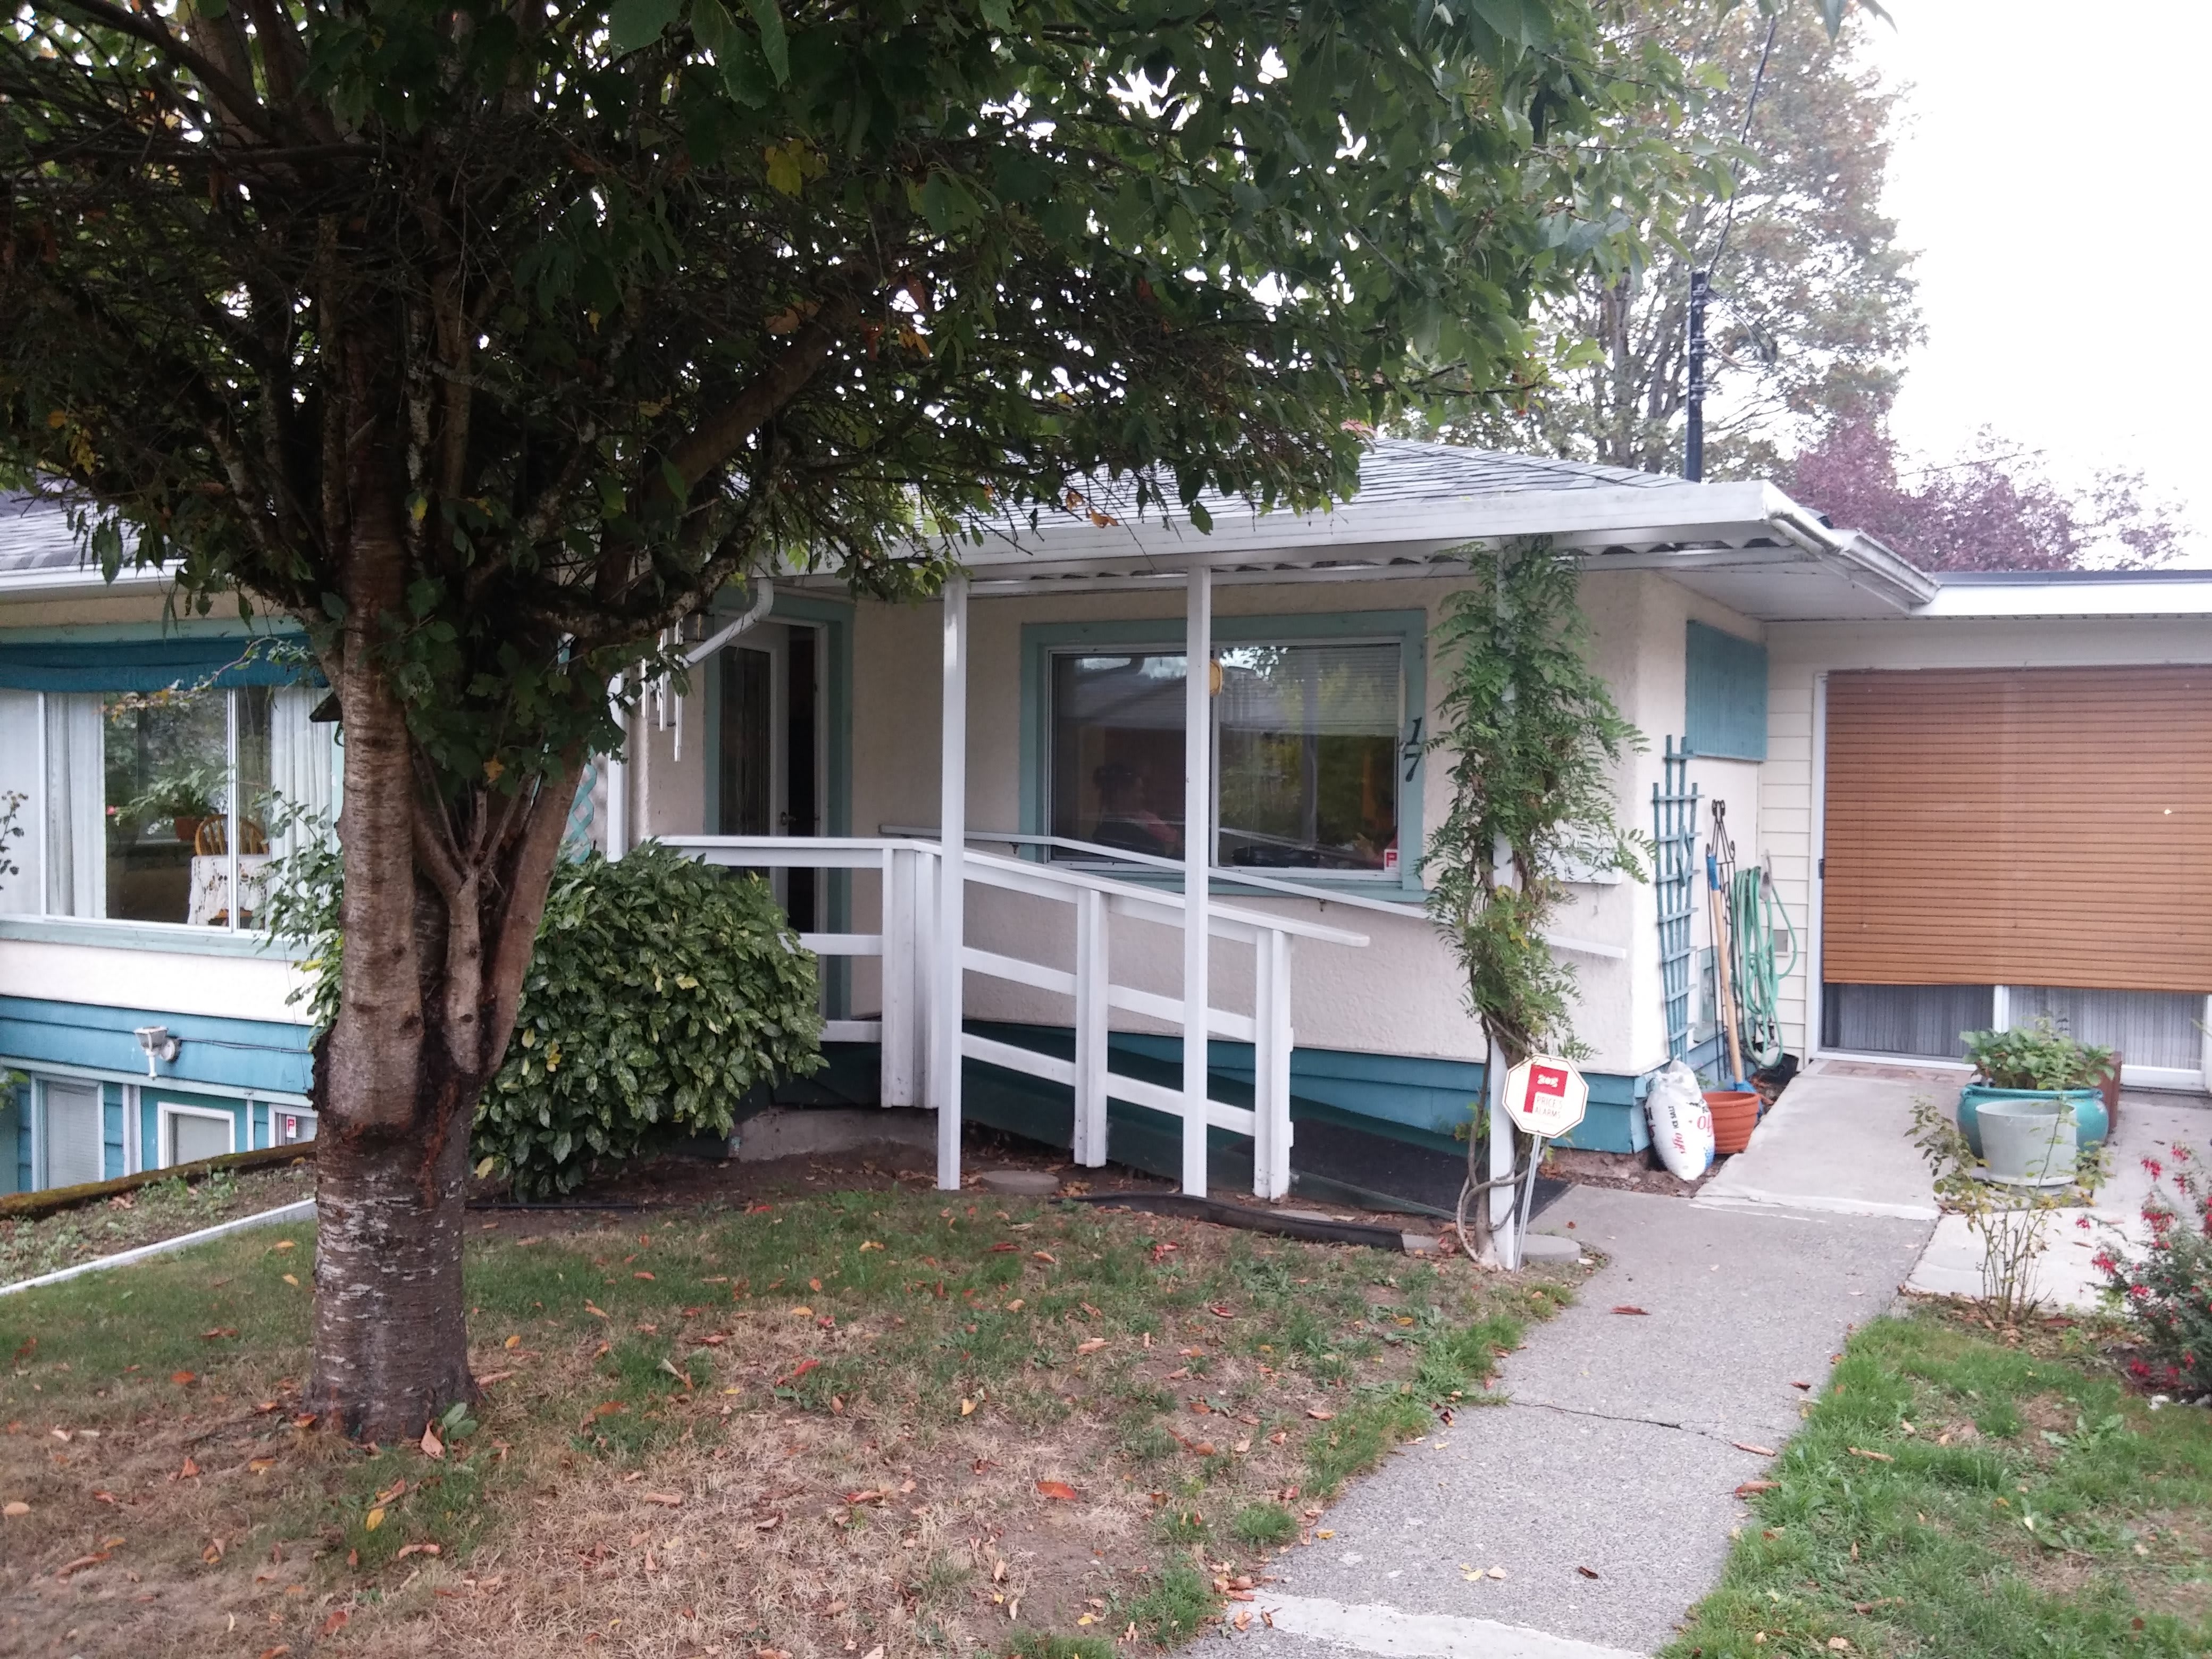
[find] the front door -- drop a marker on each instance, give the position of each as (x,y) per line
(770,758)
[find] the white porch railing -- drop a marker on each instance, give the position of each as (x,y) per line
(907,942)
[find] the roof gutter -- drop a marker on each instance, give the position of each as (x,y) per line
(1856,557)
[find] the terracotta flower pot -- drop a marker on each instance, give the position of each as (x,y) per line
(1735,1114)
(186,829)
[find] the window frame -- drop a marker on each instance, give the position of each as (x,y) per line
(165,1112)
(1407,629)
(45,925)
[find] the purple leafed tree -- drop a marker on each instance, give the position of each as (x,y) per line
(1995,509)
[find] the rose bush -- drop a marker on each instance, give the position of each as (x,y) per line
(2165,1293)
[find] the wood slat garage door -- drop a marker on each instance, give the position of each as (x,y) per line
(2021,827)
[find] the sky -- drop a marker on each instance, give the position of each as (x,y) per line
(2052,171)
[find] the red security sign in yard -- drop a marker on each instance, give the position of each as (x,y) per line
(1545,1097)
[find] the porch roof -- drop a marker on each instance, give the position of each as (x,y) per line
(1746,545)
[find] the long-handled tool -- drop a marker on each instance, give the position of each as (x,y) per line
(1717,901)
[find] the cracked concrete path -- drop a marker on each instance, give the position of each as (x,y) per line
(1618,1453)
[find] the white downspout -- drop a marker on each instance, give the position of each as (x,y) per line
(1198,865)
(618,773)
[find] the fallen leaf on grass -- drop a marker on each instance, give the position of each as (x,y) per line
(1059,1489)
(1318,1414)
(293,1279)
(1838,1643)
(1745,1446)
(335,1623)
(641,1275)
(967,1408)
(190,1471)
(15,1507)
(1631,1307)
(183,1379)
(218,1333)
(514,1341)
(259,1465)
(1871,1457)
(666,1499)
(372,1521)
(595,1310)
(1090,1345)
(406,1550)
(490,1377)
(277,1652)
(80,1563)
(1220,1310)
(432,1446)
(767,1525)
(1004,1245)
(1751,1486)
(1045,1256)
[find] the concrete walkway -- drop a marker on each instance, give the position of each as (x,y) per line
(1618,1453)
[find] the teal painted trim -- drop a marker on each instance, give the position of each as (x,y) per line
(1410,629)
(88,663)
(15,1140)
(151,1100)
(148,936)
(235,1053)
(111,1131)
(186,627)
(1423,1101)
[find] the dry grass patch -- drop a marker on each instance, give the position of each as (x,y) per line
(816,1428)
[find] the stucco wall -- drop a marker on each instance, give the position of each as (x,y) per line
(1801,653)
(1401,994)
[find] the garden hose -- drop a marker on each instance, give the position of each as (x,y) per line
(1753,913)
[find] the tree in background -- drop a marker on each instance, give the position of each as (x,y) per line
(1812,304)
(489,338)
(1994,509)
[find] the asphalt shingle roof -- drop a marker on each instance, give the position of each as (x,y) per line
(1399,470)
(36,534)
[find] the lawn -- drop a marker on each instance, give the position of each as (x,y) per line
(826,1426)
(1952,1495)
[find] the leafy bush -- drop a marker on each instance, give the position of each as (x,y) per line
(2036,1056)
(2167,1295)
(662,989)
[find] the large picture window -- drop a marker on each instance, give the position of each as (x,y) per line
(1306,739)
(168,806)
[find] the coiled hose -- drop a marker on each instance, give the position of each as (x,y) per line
(1753,912)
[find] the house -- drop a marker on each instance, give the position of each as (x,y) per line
(1975,799)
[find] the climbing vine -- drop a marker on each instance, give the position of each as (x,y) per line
(1533,739)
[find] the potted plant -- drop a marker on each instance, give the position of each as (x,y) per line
(187,796)
(2037,1062)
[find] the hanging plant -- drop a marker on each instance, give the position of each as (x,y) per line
(1533,740)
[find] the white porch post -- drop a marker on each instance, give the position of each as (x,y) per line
(619,775)
(952,828)
(1198,866)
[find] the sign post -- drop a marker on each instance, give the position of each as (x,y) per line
(1545,1097)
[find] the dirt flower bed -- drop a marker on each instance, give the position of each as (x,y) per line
(817,1426)
(160,1210)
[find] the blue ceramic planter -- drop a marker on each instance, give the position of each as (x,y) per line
(2090,1123)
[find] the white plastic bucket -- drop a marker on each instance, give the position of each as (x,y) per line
(2029,1143)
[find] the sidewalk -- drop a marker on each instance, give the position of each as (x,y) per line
(1616,1454)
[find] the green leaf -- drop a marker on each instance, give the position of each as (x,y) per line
(634,24)
(774,46)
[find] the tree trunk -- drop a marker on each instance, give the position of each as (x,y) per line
(391,1333)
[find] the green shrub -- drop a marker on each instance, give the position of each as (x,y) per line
(2037,1055)
(662,989)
